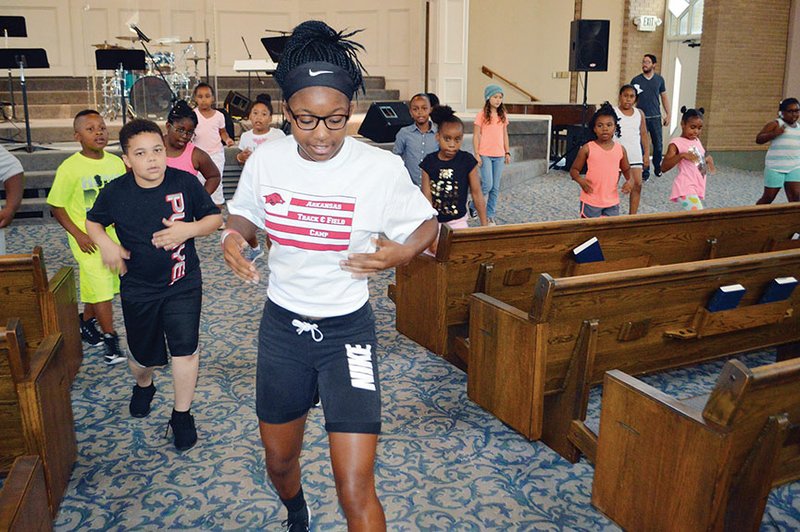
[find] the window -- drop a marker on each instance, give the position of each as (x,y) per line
(686,18)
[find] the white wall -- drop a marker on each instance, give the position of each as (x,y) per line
(527,41)
(393,31)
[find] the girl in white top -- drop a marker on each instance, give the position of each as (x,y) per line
(782,164)
(322,198)
(260,117)
(633,135)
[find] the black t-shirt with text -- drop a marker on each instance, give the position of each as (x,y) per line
(449,183)
(136,213)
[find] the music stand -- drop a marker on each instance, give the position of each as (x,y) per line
(120,60)
(12,27)
(23,58)
(275,46)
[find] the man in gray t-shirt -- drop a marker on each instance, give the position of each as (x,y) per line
(651,88)
(12,177)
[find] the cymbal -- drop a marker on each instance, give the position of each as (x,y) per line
(107,46)
(190,41)
(131,38)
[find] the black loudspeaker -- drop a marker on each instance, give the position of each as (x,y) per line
(236,104)
(384,120)
(588,45)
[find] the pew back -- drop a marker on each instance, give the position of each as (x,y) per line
(665,464)
(640,321)
(23,499)
(432,295)
(44,307)
(44,408)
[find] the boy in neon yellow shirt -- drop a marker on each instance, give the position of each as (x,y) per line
(78,181)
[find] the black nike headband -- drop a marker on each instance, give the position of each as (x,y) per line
(318,74)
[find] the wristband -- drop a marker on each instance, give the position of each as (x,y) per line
(225,234)
(508,153)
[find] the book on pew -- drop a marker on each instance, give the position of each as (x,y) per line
(589,251)
(778,289)
(726,298)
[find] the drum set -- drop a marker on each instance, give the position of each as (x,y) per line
(151,93)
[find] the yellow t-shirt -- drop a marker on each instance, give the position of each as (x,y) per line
(78,182)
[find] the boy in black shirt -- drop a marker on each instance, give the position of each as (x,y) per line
(157,212)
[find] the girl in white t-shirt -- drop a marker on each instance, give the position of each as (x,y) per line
(260,116)
(633,136)
(323,198)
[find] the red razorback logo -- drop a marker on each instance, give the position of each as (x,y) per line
(274,199)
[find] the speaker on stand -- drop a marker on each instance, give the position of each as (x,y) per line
(588,52)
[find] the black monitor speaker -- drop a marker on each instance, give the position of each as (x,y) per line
(384,120)
(236,104)
(588,45)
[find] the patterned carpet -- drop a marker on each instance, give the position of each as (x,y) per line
(443,463)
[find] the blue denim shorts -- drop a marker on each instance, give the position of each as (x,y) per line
(298,355)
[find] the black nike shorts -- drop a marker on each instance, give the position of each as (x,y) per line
(297,355)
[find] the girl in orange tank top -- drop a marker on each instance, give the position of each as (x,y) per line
(604,160)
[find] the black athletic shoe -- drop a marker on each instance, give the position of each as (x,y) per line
(114,353)
(473,212)
(141,399)
(183,429)
(658,173)
(89,332)
(299,521)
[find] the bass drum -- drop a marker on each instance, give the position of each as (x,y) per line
(151,98)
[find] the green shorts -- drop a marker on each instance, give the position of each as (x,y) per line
(775,179)
(97,282)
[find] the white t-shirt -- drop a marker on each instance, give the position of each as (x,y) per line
(316,213)
(251,141)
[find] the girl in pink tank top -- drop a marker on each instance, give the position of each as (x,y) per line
(604,159)
(182,153)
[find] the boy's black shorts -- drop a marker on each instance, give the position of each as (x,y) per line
(175,318)
(337,355)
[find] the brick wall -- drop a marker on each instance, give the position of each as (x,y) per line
(742,65)
(636,43)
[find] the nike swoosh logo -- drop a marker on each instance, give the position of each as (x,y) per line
(315,73)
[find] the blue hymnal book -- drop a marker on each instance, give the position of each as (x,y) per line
(778,289)
(589,251)
(726,297)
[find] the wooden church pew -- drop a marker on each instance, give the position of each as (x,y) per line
(35,408)
(43,307)
(23,499)
(533,369)
(665,464)
(432,294)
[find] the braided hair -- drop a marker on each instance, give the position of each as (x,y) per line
(180,111)
(314,41)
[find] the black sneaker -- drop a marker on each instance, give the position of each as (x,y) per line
(89,332)
(141,399)
(473,212)
(182,424)
(658,173)
(114,353)
(299,521)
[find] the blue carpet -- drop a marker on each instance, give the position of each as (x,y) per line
(443,462)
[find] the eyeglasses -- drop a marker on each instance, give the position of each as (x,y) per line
(183,132)
(310,122)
